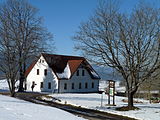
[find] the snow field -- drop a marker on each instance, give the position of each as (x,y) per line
(93,101)
(14,109)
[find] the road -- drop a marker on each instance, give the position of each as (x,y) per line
(79,111)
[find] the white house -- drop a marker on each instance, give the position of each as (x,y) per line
(59,73)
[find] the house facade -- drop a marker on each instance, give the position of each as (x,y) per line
(62,74)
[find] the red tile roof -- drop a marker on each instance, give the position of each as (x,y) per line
(58,63)
(74,64)
(30,68)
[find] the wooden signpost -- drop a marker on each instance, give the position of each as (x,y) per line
(111,92)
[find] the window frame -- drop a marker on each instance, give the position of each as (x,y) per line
(65,86)
(41,85)
(45,72)
(72,86)
(49,85)
(92,84)
(83,72)
(86,85)
(77,73)
(38,72)
(80,85)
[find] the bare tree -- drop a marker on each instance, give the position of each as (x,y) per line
(8,60)
(26,30)
(128,43)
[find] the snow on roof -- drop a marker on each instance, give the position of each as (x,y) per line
(95,75)
(65,74)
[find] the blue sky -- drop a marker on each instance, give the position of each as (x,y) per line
(62,18)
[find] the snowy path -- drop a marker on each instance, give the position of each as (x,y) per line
(14,109)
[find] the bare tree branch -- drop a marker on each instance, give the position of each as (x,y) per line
(128,43)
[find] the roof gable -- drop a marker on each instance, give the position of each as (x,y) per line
(74,65)
(30,68)
(91,71)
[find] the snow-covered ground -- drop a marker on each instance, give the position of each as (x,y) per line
(93,101)
(14,109)
(3,85)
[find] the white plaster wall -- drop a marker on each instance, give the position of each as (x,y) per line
(50,77)
(79,79)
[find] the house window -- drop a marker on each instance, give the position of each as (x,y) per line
(49,85)
(37,71)
(45,72)
(86,85)
(42,61)
(83,72)
(92,84)
(72,85)
(77,72)
(41,84)
(80,85)
(65,86)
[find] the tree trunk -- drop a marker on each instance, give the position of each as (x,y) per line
(149,95)
(21,75)
(21,80)
(130,99)
(12,90)
(13,93)
(24,79)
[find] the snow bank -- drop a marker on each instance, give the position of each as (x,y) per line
(14,109)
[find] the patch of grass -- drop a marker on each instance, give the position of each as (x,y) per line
(5,93)
(126,108)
